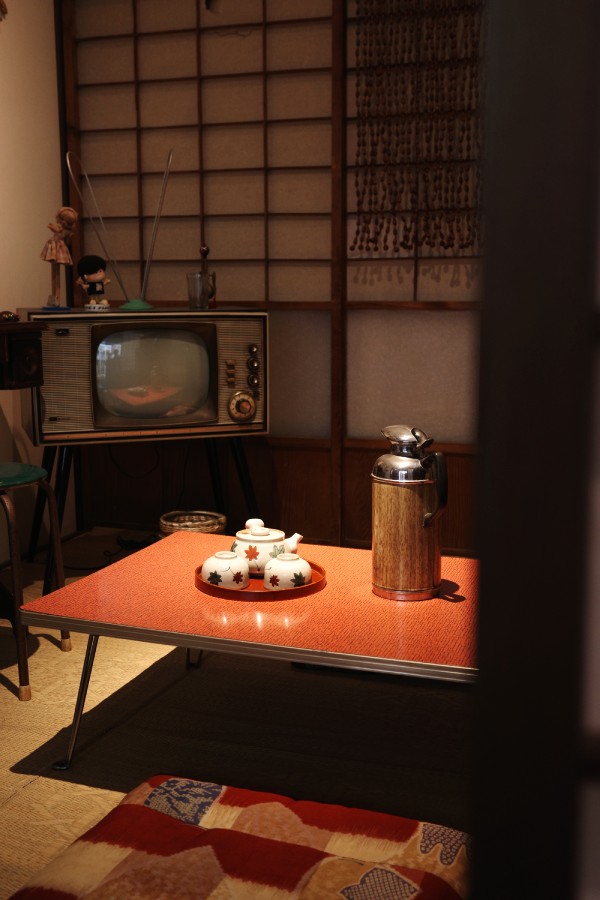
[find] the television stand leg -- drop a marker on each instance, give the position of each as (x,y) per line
(215,473)
(67,454)
(239,456)
(63,472)
(40,503)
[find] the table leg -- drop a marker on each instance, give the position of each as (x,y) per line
(189,660)
(88,662)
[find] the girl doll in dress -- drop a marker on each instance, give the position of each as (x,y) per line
(56,250)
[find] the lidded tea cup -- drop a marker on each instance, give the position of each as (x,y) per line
(226,569)
(288,570)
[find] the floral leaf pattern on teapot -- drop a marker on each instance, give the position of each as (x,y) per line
(258,545)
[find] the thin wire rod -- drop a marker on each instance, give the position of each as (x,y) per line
(156,223)
(84,175)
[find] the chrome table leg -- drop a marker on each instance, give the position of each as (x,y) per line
(88,662)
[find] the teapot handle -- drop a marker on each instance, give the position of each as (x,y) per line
(437,461)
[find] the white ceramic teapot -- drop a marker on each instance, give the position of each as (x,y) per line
(258,544)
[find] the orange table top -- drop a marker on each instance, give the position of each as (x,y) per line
(152,596)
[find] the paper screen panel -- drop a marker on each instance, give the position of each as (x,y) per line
(167,282)
(223,13)
(234,192)
(182,195)
(116,195)
(235,284)
(304,360)
(300,192)
(238,238)
(422,369)
(306,282)
(122,239)
(107,60)
(165,103)
(167,56)
(106,107)
(299,238)
(351,42)
(299,95)
(156,145)
(297,9)
(233,146)
(380,280)
(232,99)
(109,152)
(108,17)
(450,280)
(239,282)
(156,15)
(230,51)
(177,238)
(299,143)
(440,281)
(299,46)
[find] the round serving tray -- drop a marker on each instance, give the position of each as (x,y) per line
(258,592)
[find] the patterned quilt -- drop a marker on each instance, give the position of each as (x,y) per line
(180,838)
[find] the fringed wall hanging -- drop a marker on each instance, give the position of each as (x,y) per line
(418,101)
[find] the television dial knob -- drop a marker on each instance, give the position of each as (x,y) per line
(242,406)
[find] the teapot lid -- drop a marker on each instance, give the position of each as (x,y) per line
(255,528)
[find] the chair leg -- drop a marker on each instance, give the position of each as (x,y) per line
(17,593)
(54,562)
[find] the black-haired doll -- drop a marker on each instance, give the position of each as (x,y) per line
(92,276)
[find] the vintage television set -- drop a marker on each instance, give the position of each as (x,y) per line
(125,376)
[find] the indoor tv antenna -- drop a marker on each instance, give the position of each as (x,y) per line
(102,235)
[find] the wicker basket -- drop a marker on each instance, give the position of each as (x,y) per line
(192,520)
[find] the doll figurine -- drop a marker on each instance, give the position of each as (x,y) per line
(92,277)
(56,250)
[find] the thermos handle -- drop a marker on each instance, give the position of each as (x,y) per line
(437,461)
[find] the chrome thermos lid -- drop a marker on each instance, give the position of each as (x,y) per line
(406,459)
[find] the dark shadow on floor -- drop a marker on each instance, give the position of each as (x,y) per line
(379,741)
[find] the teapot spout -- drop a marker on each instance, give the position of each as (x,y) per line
(291,543)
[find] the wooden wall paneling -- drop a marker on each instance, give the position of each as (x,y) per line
(302,486)
(124,485)
(133,484)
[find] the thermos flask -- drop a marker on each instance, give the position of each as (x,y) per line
(409,495)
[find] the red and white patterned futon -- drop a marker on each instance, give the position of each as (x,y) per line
(181,838)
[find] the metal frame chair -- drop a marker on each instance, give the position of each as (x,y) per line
(14,476)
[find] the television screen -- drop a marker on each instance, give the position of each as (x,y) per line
(153,374)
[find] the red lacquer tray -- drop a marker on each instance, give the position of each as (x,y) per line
(258,592)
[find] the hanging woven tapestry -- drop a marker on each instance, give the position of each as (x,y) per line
(418,109)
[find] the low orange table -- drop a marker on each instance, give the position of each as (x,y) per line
(152,596)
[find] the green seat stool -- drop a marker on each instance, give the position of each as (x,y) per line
(13,477)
